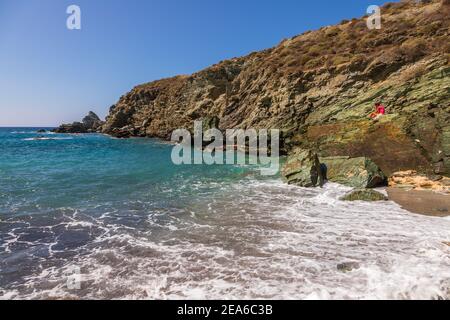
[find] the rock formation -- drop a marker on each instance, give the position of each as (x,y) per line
(304,166)
(318,88)
(411,180)
(359,172)
(91,123)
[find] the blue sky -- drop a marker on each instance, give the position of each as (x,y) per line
(49,74)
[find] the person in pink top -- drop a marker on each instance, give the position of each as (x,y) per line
(380,111)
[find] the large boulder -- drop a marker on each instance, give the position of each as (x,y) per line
(360,172)
(304,168)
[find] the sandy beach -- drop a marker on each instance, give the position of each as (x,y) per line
(422,202)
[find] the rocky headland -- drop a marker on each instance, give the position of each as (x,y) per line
(91,123)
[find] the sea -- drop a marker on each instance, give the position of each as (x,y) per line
(94,217)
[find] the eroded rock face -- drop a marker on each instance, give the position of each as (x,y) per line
(318,88)
(91,123)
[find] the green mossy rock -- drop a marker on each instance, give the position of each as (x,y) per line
(365,195)
(357,172)
(304,168)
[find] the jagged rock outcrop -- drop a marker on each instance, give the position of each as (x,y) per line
(90,123)
(318,88)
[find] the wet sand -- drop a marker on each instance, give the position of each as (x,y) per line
(422,202)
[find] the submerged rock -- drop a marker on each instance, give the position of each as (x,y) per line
(364,195)
(348,266)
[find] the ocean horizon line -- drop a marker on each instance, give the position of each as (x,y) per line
(9,127)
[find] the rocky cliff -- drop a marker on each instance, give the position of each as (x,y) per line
(319,88)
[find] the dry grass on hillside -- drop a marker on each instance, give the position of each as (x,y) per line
(403,36)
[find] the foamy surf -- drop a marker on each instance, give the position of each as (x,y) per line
(254,240)
(34,132)
(137,227)
(46,138)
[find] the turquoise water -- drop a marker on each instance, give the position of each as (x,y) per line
(126,223)
(41,175)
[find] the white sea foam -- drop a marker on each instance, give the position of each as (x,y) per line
(45,138)
(259,240)
(33,132)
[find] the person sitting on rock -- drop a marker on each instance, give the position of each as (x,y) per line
(380,111)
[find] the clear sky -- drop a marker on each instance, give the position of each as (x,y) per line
(49,74)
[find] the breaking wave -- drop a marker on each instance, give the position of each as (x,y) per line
(259,240)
